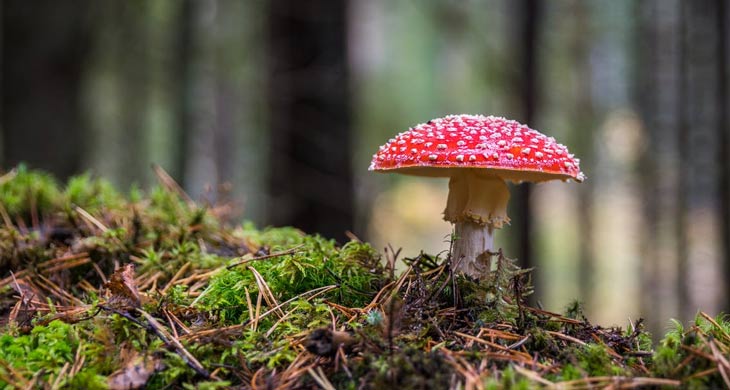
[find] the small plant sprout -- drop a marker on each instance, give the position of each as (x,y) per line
(478,154)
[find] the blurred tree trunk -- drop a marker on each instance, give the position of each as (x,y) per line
(684,166)
(310,180)
(183,87)
(723,135)
(44,45)
(584,123)
(657,80)
(700,239)
(132,56)
(529,15)
(682,104)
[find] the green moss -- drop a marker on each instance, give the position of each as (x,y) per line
(316,263)
(30,191)
(673,357)
(44,352)
(92,194)
(595,360)
(511,381)
(570,372)
(574,310)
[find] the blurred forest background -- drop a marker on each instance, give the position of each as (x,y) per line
(279,105)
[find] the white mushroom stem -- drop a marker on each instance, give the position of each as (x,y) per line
(471,244)
(477,205)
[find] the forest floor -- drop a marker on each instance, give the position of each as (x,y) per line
(151,290)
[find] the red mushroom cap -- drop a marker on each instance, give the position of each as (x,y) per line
(504,147)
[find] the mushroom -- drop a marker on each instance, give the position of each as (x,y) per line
(478,154)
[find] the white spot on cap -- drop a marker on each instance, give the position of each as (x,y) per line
(481,146)
(394,148)
(482,137)
(502,142)
(417,141)
(403,149)
(472,158)
(428,144)
(568,164)
(414,150)
(461,143)
(509,156)
(432,157)
(381,157)
(516,139)
(401,142)
(441,146)
(460,157)
(538,155)
(526,151)
(534,140)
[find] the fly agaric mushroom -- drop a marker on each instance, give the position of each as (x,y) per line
(478,154)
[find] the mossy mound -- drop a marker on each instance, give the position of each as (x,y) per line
(101,290)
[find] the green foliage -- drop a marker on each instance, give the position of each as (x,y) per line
(595,360)
(176,371)
(508,380)
(170,257)
(642,338)
(674,358)
(92,194)
(277,239)
(44,352)
(29,191)
(570,372)
(316,263)
(668,353)
(166,206)
(574,310)
(178,295)
(110,241)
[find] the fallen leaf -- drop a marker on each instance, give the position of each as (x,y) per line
(123,289)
